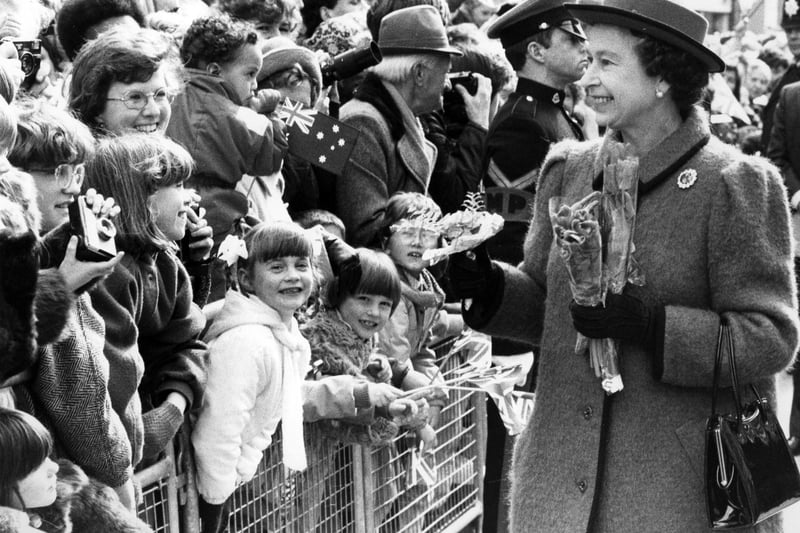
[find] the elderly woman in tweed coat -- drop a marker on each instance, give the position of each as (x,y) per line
(712,237)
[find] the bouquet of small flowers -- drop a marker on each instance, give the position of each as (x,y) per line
(595,239)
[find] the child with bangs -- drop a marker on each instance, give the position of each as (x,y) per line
(147,300)
(27,474)
(258,360)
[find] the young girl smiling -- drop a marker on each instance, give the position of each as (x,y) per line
(258,362)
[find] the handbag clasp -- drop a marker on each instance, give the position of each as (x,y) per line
(723,479)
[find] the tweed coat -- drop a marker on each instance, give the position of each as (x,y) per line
(633,461)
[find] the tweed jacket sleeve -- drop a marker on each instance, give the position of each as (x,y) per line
(780,149)
(363,189)
(751,282)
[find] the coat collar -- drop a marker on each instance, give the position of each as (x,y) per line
(662,161)
(210,83)
(541,92)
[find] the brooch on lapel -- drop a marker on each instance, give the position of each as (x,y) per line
(687,178)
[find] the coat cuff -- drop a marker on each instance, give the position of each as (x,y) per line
(658,342)
(483,308)
(361,395)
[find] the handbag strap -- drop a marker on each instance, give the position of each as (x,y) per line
(724,337)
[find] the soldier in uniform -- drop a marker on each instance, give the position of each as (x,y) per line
(791,25)
(545,45)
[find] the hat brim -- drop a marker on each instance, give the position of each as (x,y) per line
(612,16)
(395,50)
(283,58)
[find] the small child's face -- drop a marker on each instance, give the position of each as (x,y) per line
(242,71)
(169,205)
(38,489)
(408,240)
(283,283)
(366,313)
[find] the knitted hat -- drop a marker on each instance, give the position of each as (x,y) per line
(340,34)
(281,53)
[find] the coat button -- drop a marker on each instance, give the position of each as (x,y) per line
(581,485)
(588,412)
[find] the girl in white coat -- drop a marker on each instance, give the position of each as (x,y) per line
(258,362)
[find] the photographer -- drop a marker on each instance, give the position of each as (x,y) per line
(459,130)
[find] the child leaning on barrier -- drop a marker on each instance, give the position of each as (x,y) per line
(358,301)
(258,362)
(409,229)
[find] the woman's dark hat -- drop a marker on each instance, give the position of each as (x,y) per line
(531,17)
(662,19)
(414,30)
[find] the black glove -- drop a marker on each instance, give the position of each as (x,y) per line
(472,274)
(160,426)
(623,317)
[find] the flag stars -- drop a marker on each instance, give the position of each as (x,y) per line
(320,135)
(340,142)
(335,128)
(322,159)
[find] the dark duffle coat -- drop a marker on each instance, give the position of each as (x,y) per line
(718,248)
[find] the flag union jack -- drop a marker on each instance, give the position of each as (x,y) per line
(294,113)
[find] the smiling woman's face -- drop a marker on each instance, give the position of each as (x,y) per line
(118,118)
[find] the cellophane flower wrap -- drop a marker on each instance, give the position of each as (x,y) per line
(620,184)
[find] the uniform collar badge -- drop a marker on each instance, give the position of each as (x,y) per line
(556,99)
(687,178)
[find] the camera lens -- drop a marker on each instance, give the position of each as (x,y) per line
(28,63)
(106,229)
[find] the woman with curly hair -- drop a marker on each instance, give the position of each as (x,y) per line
(713,240)
(219,119)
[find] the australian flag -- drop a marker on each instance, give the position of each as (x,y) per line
(316,137)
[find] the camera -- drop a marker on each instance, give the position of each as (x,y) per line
(95,235)
(467,79)
(30,56)
(350,63)
(452,103)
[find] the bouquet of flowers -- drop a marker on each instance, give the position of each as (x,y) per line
(465,229)
(595,239)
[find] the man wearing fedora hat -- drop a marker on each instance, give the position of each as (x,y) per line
(392,153)
(791,25)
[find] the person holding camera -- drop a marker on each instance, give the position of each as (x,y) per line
(392,154)
(72,387)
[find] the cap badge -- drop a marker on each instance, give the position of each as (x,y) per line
(687,178)
(791,8)
(543,26)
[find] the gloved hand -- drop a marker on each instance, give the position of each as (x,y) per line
(160,426)
(471,273)
(623,317)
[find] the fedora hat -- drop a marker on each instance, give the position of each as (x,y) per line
(414,30)
(531,17)
(281,53)
(662,19)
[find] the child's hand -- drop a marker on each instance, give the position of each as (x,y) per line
(382,394)
(80,273)
(427,435)
(265,101)
(403,407)
(379,368)
(200,236)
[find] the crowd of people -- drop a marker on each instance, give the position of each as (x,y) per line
(170,258)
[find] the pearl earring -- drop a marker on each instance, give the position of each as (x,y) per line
(659,93)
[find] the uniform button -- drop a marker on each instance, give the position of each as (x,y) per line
(581,485)
(529,98)
(588,412)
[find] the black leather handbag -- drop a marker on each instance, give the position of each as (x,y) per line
(750,472)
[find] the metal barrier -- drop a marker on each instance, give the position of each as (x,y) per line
(346,488)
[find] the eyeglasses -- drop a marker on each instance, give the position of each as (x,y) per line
(137,100)
(412,232)
(66,174)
